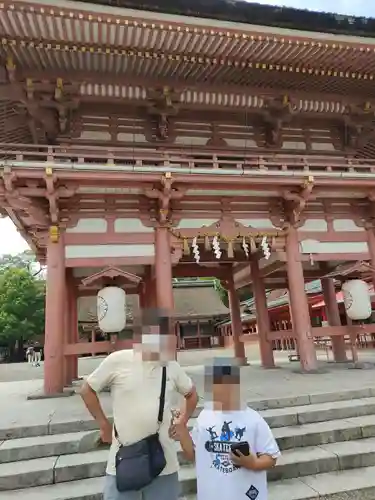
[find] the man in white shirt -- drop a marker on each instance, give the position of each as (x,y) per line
(135,384)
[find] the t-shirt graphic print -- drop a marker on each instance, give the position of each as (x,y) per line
(220,445)
(217,476)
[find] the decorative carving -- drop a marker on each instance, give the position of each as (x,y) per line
(358,125)
(163,127)
(364,213)
(109,274)
(295,203)
(54,234)
(163,105)
(164,198)
(42,110)
(276,113)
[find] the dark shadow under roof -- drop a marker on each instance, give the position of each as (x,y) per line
(254,13)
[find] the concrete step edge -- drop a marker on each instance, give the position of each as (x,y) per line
(280,417)
(356,484)
(292,464)
(320,433)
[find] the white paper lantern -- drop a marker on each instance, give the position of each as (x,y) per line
(111,308)
(357,299)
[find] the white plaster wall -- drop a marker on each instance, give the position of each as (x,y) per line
(346,225)
(322,146)
(194,141)
(318,225)
(93,251)
(257,223)
(294,145)
(89,226)
(124,137)
(95,135)
(313,246)
(131,226)
(241,143)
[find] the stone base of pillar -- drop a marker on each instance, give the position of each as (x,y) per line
(360,366)
(66,394)
(315,371)
(242,362)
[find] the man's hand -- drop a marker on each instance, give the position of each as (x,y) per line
(106,432)
(246,461)
(178,427)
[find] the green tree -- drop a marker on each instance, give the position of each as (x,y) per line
(23,260)
(21,308)
(243,293)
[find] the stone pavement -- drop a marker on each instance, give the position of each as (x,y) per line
(324,424)
(257,384)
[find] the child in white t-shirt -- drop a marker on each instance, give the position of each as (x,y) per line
(223,471)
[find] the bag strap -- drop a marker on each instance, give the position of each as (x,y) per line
(162,395)
(161,401)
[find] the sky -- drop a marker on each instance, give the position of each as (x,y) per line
(364,8)
(12,242)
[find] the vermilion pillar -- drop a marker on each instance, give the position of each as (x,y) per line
(333,317)
(263,322)
(163,270)
(235,315)
(71,329)
(371,249)
(163,280)
(55,319)
(142,295)
(299,304)
(74,334)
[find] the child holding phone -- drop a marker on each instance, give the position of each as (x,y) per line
(232,445)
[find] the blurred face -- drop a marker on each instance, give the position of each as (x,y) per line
(226,392)
(155,345)
(154,337)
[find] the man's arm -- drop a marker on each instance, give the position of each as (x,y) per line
(91,400)
(186,388)
(102,377)
(191,402)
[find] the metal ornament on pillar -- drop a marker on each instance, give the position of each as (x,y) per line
(111,309)
(357,299)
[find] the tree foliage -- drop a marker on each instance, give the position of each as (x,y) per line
(22,260)
(21,305)
(243,293)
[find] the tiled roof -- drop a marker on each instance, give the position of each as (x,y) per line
(197,302)
(190,302)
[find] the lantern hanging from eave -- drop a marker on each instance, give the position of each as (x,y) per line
(111,309)
(357,299)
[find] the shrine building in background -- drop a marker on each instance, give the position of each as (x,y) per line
(143,142)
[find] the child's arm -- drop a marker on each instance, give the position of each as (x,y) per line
(180,432)
(266,451)
(187,444)
(253,462)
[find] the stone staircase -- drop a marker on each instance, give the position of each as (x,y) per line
(327,440)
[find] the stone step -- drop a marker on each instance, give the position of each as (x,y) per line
(356,484)
(291,405)
(315,434)
(276,417)
(293,463)
(322,412)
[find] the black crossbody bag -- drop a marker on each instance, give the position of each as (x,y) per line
(138,464)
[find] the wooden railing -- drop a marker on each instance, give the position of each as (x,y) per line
(182,158)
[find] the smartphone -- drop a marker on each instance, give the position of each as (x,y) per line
(243,447)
